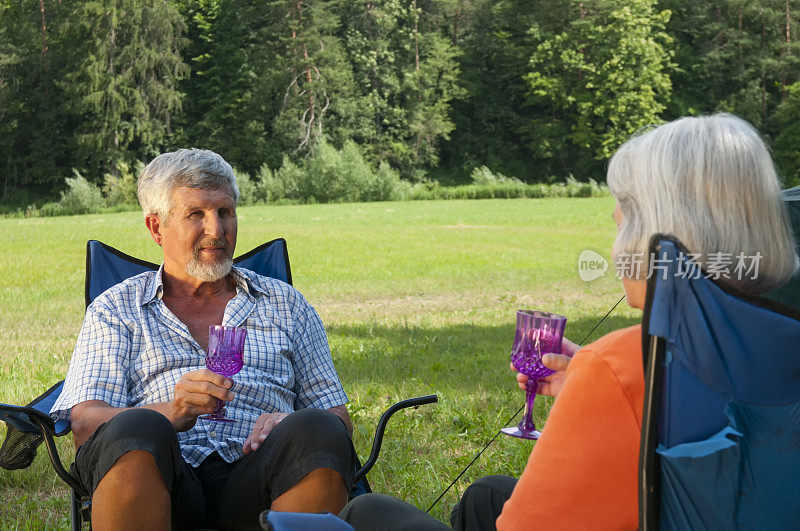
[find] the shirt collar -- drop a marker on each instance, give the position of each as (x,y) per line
(155,285)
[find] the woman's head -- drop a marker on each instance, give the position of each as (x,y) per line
(710,182)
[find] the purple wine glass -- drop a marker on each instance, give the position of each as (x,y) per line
(225,349)
(538,333)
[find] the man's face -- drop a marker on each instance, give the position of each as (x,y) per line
(199,237)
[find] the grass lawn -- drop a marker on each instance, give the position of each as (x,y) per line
(417,298)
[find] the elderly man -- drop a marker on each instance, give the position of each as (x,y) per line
(137,383)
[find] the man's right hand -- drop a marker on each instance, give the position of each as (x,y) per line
(196,393)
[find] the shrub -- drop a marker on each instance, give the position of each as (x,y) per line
(121,190)
(247,188)
(484,176)
(507,190)
(332,175)
(81,197)
(289,182)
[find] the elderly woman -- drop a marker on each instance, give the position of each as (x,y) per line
(710,182)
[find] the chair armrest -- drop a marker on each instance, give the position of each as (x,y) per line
(26,419)
(378,439)
(27,429)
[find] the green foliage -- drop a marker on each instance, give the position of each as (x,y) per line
(121,189)
(736,56)
(787,143)
(332,175)
(248,189)
(406,71)
(598,80)
(485,176)
(431,89)
(81,197)
(122,66)
(510,188)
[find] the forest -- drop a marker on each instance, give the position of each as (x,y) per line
(538,90)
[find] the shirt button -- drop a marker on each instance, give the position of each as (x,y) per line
(213,434)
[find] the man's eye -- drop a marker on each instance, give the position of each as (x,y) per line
(226,212)
(196,215)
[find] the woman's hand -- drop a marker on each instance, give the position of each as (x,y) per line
(551,385)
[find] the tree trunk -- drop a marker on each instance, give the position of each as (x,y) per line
(416,50)
(785,69)
(44,36)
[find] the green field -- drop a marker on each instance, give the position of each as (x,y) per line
(417,298)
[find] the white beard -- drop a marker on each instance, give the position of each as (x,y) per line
(209,272)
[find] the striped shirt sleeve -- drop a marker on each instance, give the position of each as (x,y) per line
(99,366)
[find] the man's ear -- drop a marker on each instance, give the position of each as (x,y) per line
(154,225)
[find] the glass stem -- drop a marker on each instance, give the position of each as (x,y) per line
(219,411)
(530,395)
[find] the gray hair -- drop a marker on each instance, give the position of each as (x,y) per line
(192,168)
(710,182)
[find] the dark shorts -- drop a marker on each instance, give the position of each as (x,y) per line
(216,493)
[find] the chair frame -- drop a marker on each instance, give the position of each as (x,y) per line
(654,350)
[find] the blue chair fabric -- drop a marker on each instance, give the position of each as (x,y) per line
(722,403)
(283,521)
(789,293)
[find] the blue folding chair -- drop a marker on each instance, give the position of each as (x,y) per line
(720,446)
(29,426)
(789,293)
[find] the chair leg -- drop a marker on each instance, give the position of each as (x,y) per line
(75,511)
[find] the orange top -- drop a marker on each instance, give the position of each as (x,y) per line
(582,473)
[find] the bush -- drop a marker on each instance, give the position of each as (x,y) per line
(248,190)
(81,197)
(508,190)
(121,190)
(332,176)
(482,175)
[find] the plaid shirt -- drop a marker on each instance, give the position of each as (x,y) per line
(132,351)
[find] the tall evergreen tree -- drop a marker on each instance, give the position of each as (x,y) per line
(734,55)
(405,67)
(33,149)
(491,118)
(121,76)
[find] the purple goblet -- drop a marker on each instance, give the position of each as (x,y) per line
(538,333)
(225,349)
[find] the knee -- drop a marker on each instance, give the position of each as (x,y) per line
(487,488)
(482,503)
(371,507)
(142,424)
(321,427)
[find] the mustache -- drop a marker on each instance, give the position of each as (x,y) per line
(212,242)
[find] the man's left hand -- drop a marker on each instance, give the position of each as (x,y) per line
(264,424)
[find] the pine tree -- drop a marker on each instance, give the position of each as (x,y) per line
(405,67)
(121,77)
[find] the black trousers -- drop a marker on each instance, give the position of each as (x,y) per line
(477,510)
(219,494)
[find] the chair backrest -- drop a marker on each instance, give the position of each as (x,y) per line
(107,266)
(789,293)
(721,420)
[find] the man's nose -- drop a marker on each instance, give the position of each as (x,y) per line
(213,226)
